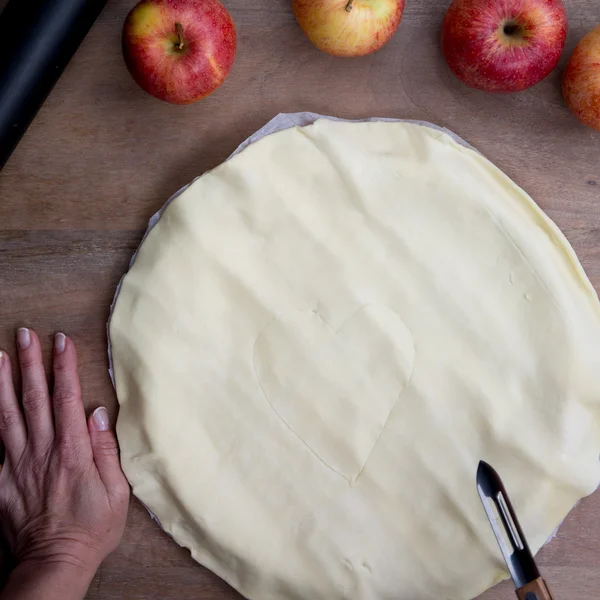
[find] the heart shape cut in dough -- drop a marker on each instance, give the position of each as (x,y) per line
(335,389)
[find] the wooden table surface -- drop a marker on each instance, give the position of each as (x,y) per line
(102,157)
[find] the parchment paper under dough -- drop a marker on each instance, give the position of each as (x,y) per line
(401,553)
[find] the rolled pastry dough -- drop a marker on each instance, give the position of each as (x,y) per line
(321,338)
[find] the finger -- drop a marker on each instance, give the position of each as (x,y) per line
(36,399)
(12,424)
(106,453)
(69,414)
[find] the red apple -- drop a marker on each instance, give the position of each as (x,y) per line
(581,81)
(348,27)
(179,50)
(503,45)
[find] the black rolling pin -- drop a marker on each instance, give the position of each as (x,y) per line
(37,40)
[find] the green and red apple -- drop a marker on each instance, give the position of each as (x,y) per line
(581,81)
(503,45)
(179,50)
(348,27)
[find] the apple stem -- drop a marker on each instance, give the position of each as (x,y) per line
(179,29)
(349,5)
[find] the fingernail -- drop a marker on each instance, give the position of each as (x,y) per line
(1,358)
(60,341)
(23,338)
(100,418)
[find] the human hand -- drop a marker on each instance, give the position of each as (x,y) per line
(63,496)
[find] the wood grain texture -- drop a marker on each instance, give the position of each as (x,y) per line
(102,157)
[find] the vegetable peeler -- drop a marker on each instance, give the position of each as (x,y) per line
(513,545)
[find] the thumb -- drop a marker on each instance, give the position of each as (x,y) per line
(106,451)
